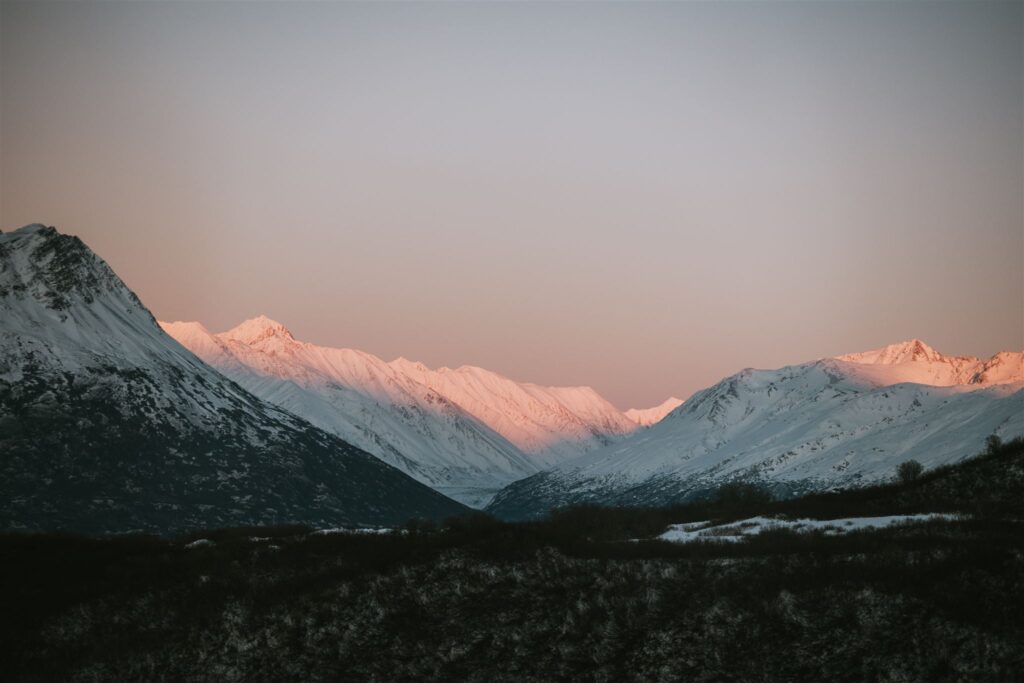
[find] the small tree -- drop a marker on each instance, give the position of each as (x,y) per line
(992,444)
(909,471)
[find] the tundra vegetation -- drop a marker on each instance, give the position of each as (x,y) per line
(585,594)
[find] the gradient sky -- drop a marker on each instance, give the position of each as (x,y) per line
(641,197)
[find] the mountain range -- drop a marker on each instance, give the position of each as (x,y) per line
(111,421)
(466,432)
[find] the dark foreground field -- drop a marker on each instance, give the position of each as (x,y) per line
(569,598)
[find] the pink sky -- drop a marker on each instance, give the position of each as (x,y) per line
(638,197)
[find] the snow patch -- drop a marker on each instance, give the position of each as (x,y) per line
(745,528)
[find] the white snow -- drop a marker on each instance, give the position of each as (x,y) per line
(829,422)
(114,325)
(105,325)
(645,417)
(356,530)
(549,423)
(466,432)
(914,361)
(745,528)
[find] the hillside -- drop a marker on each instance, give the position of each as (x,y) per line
(810,427)
(108,425)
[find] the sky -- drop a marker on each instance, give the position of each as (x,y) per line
(640,197)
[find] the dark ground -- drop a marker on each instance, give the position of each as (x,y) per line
(570,598)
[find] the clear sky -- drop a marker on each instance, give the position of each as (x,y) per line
(642,197)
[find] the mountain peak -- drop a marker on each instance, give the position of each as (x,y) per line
(257,329)
(56,269)
(894,354)
(33,228)
(646,417)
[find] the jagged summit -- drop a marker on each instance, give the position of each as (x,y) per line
(914,361)
(893,354)
(32,228)
(40,264)
(258,329)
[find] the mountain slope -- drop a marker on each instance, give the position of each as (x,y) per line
(108,425)
(550,423)
(365,401)
(804,427)
(467,432)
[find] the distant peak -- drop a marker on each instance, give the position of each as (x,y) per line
(893,354)
(256,330)
(917,348)
(645,417)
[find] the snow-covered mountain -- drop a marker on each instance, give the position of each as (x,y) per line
(840,421)
(466,432)
(914,361)
(645,417)
(365,401)
(107,424)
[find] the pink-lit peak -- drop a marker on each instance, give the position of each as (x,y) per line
(257,329)
(893,354)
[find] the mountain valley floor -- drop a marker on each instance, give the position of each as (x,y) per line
(572,597)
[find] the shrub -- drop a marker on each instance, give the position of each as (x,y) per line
(909,471)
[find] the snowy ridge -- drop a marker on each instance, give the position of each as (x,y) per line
(365,401)
(466,432)
(804,427)
(108,424)
(915,361)
(550,423)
